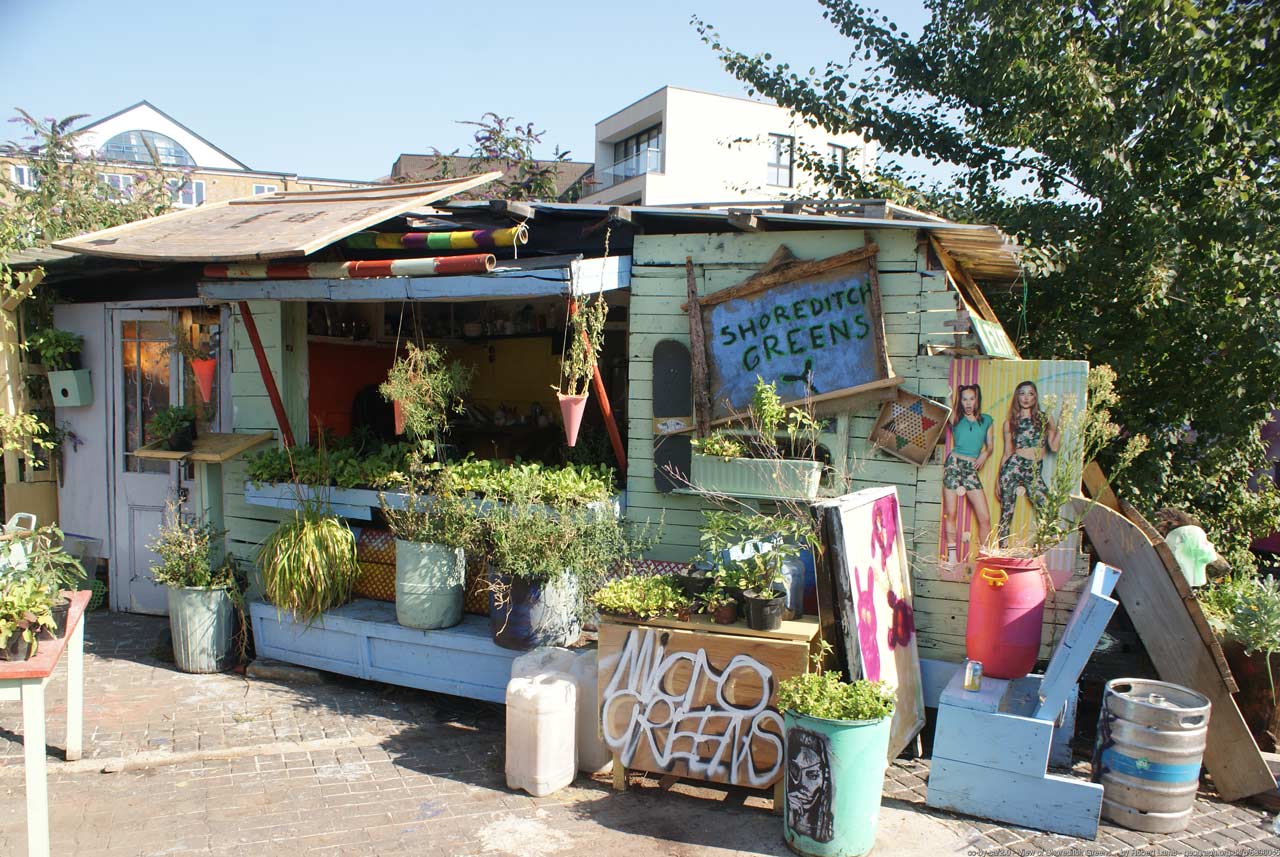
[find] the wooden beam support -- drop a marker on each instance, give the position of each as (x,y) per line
(619,214)
(515,210)
(744,221)
(268,379)
(697,353)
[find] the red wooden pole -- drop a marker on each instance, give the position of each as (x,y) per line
(269,380)
(597,384)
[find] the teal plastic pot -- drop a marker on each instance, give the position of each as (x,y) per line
(834,776)
(430,580)
(201,623)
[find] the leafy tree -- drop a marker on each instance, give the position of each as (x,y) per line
(500,143)
(1131,146)
(69,198)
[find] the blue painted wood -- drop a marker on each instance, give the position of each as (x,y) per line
(362,639)
(814,336)
(935,675)
(1008,742)
(1079,638)
(1047,802)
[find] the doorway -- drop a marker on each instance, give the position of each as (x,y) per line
(150,372)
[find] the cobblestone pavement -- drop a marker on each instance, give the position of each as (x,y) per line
(178,764)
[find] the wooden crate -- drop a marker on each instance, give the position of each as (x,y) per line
(697,700)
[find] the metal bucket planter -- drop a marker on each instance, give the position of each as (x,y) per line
(202,625)
(756,477)
(534,613)
(834,776)
(430,581)
(1151,739)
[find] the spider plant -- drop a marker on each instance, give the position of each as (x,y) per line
(309,563)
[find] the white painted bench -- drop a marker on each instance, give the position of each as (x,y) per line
(991,748)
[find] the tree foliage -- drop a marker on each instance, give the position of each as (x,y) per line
(500,143)
(1131,146)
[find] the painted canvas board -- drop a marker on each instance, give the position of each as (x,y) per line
(863,532)
(817,337)
(1009,431)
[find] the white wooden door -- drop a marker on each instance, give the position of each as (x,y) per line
(150,375)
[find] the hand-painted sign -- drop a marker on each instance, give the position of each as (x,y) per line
(818,335)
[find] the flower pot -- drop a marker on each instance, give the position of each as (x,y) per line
(430,580)
(726,614)
(534,613)
(764,614)
(71,388)
(684,614)
(571,410)
(183,439)
(739,600)
(756,477)
(397,413)
(693,586)
(59,609)
(17,649)
(201,622)
(833,780)
(1006,612)
(204,369)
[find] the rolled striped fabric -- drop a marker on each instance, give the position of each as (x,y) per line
(474,239)
(436,266)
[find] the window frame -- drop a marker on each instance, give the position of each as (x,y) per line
(31,180)
(181,188)
(264,189)
(775,165)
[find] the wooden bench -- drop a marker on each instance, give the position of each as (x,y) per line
(991,749)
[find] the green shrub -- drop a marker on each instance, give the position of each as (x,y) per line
(309,563)
(822,693)
(643,596)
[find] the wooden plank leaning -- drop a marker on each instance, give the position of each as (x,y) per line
(1172,639)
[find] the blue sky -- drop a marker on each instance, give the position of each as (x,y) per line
(339,89)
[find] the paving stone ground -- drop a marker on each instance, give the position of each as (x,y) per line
(222,765)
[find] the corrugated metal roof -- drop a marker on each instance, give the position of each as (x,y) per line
(270,226)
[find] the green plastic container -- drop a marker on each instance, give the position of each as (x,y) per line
(756,477)
(202,625)
(834,776)
(430,580)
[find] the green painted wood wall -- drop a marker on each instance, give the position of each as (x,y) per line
(916,305)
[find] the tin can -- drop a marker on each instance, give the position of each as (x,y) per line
(972,675)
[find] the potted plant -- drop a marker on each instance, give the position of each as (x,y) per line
(308,563)
(697,577)
(59,352)
(52,567)
(760,466)
(837,747)
(764,603)
(175,427)
(24,613)
(424,390)
(642,596)
(203,361)
(578,367)
(1244,611)
(433,534)
(721,604)
(201,595)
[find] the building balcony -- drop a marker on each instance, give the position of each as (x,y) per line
(644,161)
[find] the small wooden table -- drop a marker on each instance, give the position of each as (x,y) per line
(26,680)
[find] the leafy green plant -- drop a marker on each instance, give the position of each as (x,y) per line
(720,444)
(769,416)
(823,693)
(428,390)
(714,598)
(585,339)
(1246,609)
(169,420)
(430,513)
(55,348)
(47,561)
(25,604)
(308,563)
(184,545)
(180,343)
(496,480)
(761,571)
(643,596)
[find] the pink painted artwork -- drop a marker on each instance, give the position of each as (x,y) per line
(884,529)
(868,645)
(903,626)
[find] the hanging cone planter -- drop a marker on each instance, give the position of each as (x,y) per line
(571,409)
(398,411)
(204,370)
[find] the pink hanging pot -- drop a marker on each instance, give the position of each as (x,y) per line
(204,370)
(571,409)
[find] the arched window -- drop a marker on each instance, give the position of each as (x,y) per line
(146,147)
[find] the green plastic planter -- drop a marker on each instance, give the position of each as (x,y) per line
(756,477)
(834,776)
(202,624)
(430,580)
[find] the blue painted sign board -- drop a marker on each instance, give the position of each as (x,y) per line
(817,337)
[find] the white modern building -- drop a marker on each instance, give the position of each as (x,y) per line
(684,146)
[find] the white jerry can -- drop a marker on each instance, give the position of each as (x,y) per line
(580,665)
(541,711)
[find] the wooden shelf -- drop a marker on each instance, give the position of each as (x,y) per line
(212,448)
(803,630)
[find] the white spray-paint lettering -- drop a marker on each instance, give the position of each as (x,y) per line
(666,718)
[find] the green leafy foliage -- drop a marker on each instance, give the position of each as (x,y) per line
(184,545)
(54,348)
(429,390)
(822,693)
(540,483)
(1132,149)
(720,444)
(47,560)
(25,604)
(1246,609)
(501,144)
(169,420)
(308,563)
(429,512)
(350,464)
(585,339)
(643,596)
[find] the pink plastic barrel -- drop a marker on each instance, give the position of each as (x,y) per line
(1006,611)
